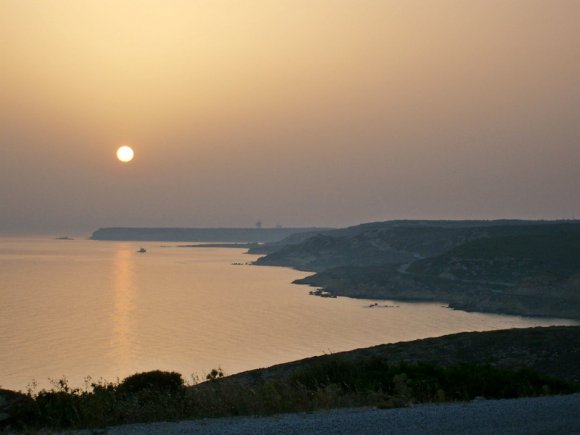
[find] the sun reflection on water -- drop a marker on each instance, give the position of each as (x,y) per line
(123,343)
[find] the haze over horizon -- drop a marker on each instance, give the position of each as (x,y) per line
(298,113)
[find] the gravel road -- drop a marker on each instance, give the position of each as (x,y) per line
(544,415)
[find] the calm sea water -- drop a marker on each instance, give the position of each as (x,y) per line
(85,308)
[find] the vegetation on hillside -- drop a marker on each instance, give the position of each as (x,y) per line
(459,367)
(332,382)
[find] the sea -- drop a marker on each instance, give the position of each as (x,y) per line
(89,311)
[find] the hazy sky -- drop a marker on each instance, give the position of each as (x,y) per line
(298,112)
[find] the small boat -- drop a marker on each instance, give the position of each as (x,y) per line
(142,250)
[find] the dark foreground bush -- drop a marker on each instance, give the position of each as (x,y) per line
(150,396)
(422,382)
(158,381)
(329,382)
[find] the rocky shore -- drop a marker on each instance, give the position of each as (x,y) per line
(507,267)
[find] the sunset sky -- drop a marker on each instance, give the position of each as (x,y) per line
(292,112)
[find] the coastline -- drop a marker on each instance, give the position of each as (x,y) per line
(524,268)
(457,296)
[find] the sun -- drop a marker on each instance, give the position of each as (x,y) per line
(125,154)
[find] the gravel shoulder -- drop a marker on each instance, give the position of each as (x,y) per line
(543,415)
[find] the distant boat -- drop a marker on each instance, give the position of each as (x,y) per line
(142,250)
(64,238)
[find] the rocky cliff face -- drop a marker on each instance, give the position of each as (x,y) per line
(321,252)
(371,245)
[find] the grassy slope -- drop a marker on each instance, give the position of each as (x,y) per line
(554,351)
(498,364)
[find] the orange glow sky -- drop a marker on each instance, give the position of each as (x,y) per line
(297,112)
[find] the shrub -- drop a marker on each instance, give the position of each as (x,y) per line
(158,381)
(215,374)
(423,382)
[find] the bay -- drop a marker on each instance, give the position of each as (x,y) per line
(85,308)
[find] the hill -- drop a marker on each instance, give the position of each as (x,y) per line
(516,267)
(552,351)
